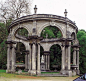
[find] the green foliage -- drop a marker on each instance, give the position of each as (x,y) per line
(3,46)
(55,56)
(23,32)
(81,35)
(3,55)
(3,32)
(20,48)
(52,32)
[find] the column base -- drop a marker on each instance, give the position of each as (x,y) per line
(78,72)
(32,72)
(69,73)
(74,72)
(66,72)
(26,70)
(63,72)
(13,71)
(38,72)
(8,71)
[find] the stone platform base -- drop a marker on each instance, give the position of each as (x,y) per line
(53,74)
(10,71)
(66,72)
(32,72)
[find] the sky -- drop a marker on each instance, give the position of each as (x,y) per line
(76,9)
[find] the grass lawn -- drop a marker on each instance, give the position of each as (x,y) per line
(48,72)
(15,77)
(2,71)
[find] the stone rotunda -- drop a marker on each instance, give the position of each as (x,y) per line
(34,24)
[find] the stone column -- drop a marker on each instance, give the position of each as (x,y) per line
(8,59)
(13,59)
(46,61)
(30,60)
(69,52)
(33,72)
(38,61)
(63,60)
(28,55)
(78,61)
(49,62)
(74,61)
(66,58)
(69,71)
(74,56)
(25,62)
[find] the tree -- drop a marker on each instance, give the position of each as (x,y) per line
(55,56)
(3,46)
(3,32)
(52,32)
(14,9)
(10,10)
(81,35)
(3,55)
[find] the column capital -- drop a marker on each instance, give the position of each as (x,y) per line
(26,51)
(63,45)
(46,52)
(34,42)
(77,49)
(38,43)
(30,43)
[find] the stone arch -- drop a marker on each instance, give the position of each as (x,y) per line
(17,28)
(18,40)
(46,46)
(55,44)
(22,43)
(50,24)
(42,46)
(73,36)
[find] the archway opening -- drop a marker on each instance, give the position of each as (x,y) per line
(20,56)
(55,57)
(73,36)
(22,32)
(51,32)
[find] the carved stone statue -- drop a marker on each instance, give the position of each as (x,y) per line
(42,59)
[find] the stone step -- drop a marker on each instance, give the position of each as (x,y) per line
(53,74)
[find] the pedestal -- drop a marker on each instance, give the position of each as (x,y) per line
(69,73)
(73,72)
(33,72)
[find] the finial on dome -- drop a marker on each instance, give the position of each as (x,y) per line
(65,13)
(35,9)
